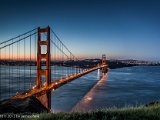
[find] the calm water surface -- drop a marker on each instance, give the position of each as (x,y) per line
(130,86)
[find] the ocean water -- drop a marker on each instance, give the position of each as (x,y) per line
(122,87)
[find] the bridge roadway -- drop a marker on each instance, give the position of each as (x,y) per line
(40,91)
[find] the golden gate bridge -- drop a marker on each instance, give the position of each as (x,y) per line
(32,64)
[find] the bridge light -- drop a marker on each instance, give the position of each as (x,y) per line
(53,89)
(56,83)
(34,87)
(89,98)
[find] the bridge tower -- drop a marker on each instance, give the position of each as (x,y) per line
(104,69)
(44,59)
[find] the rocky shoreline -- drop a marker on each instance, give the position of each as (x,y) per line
(27,105)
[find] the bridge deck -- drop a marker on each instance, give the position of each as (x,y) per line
(54,85)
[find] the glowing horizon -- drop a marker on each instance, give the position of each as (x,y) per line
(121,30)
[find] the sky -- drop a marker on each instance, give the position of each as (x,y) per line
(121,29)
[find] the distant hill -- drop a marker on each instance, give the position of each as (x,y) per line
(86,63)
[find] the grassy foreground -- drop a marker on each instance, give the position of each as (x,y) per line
(130,113)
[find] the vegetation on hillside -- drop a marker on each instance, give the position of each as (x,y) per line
(130,113)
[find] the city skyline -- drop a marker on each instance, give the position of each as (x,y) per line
(120,29)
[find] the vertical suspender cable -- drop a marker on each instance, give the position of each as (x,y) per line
(5,70)
(19,52)
(12,68)
(30,62)
(24,66)
(17,69)
(17,80)
(62,60)
(55,60)
(9,74)
(70,64)
(67,68)
(59,59)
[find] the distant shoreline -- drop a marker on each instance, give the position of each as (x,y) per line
(87,63)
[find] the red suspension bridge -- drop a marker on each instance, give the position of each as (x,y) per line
(37,62)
